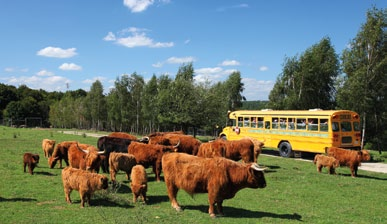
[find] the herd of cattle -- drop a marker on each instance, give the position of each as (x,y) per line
(187,163)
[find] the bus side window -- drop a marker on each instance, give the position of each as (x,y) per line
(323,124)
(335,126)
(246,122)
(301,125)
(267,124)
(274,123)
(291,124)
(240,122)
(260,122)
(312,124)
(253,122)
(283,123)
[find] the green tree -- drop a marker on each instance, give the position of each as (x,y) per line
(308,81)
(365,68)
(149,108)
(96,105)
(234,91)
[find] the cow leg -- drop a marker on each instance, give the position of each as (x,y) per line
(25,164)
(219,206)
(172,193)
(319,167)
(83,197)
(30,169)
(113,176)
(67,192)
(211,202)
(157,171)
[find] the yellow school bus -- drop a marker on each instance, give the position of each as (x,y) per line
(296,130)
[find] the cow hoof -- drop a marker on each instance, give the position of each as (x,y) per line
(212,215)
(178,209)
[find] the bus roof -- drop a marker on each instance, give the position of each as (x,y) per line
(311,112)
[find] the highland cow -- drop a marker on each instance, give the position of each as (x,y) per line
(139,184)
(84,182)
(349,158)
(48,147)
(326,161)
(121,161)
(30,160)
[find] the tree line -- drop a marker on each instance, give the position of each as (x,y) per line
(316,78)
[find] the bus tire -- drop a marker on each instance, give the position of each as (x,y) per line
(285,150)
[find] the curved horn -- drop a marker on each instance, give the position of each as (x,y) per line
(255,166)
(101,152)
(177,145)
(79,148)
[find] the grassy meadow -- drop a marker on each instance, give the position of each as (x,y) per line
(295,193)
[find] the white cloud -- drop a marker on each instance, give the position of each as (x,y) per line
(176,60)
(138,5)
(257,89)
(91,81)
(56,52)
(214,74)
(12,70)
(230,63)
(263,68)
(136,38)
(44,73)
(110,37)
(158,65)
(70,66)
(46,82)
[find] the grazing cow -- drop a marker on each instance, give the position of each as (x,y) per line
(326,161)
(120,161)
(84,182)
(60,152)
(258,145)
(187,143)
(349,158)
(139,184)
(239,149)
(48,147)
(212,149)
(112,144)
(30,160)
(150,155)
(85,157)
(221,178)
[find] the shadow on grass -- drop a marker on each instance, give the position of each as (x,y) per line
(360,176)
(45,173)
(243,213)
(156,199)
(16,199)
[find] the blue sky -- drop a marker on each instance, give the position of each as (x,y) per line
(60,45)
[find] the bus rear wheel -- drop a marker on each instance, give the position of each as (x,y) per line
(285,150)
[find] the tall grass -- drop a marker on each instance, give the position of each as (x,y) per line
(295,193)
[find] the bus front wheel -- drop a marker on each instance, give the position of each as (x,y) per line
(285,149)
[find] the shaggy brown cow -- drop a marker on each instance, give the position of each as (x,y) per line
(48,147)
(123,135)
(149,155)
(258,145)
(349,158)
(326,161)
(85,157)
(212,149)
(30,160)
(139,184)
(84,182)
(121,161)
(60,152)
(187,143)
(239,149)
(221,178)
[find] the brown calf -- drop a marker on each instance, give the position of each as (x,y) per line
(30,160)
(84,182)
(326,161)
(139,184)
(48,147)
(120,161)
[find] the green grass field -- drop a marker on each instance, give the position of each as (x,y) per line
(295,193)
